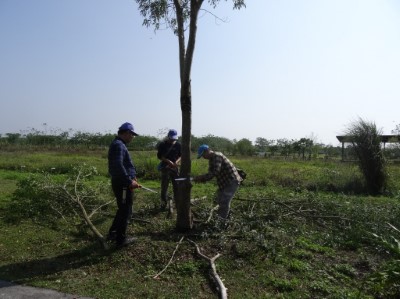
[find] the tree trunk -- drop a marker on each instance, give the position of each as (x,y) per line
(184,215)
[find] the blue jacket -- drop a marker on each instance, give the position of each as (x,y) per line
(120,165)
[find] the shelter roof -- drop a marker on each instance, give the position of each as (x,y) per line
(384,138)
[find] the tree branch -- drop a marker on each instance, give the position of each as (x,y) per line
(297,212)
(98,208)
(211,261)
(211,213)
(169,262)
(214,15)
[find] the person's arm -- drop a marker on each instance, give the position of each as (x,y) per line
(117,161)
(178,161)
(118,157)
(134,184)
(213,168)
(163,152)
(160,151)
(174,165)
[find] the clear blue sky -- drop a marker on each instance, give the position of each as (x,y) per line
(277,69)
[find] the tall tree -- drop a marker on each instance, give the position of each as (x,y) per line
(245,147)
(180,15)
(262,144)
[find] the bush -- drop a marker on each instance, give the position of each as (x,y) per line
(46,197)
(367,146)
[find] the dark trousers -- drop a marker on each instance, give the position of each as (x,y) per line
(124,212)
(168,175)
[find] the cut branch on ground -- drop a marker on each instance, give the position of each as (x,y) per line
(214,274)
(155,276)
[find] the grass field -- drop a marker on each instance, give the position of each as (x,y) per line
(299,229)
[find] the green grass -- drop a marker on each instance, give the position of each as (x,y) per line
(290,236)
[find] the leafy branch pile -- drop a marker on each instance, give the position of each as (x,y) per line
(77,198)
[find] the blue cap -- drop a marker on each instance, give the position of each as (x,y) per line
(201,150)
(173,134)
(128,127)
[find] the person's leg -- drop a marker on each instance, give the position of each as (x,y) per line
(130,216)
(224,198)
(112,232)
(164,187)
(174,175)
(124,203)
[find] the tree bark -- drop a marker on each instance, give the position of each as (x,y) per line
(184,219)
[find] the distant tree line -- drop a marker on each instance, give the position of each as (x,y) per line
(304,148)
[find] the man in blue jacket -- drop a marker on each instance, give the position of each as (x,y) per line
(123,182)
(169,152)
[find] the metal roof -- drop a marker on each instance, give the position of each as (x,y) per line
(384,138)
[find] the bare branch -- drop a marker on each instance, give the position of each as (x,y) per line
(58,212)
(169,262)
(211,213)
(98,208)
(392,226)
(297,212)
(211,261)
(76,199)
(76,186)
(214,15)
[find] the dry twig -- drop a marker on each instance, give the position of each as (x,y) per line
(211,261)
(299,212)
(211,213)
(141,220)
(155,276)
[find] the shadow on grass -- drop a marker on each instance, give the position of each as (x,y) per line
(23,272)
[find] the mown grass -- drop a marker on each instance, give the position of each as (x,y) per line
(297,230)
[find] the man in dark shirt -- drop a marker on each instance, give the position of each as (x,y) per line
(228,178)
(169,152)
(123,182)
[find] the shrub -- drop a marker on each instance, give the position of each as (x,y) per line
(367,147)
(45,197)
(386,281)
